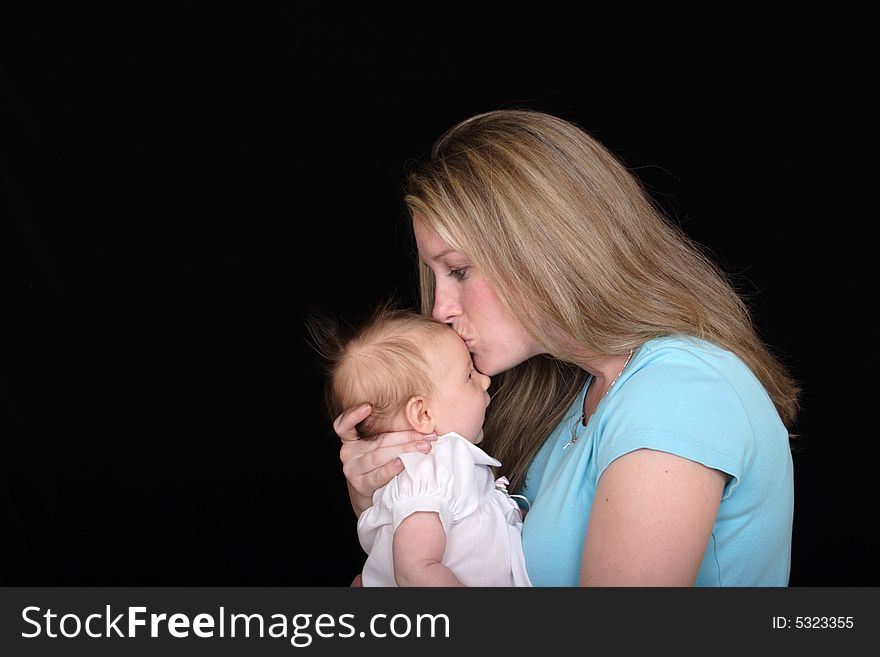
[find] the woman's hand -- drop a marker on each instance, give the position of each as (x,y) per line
(370,464)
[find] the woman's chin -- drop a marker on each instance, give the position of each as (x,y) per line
(483,365)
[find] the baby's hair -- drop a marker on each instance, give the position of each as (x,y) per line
(381,362)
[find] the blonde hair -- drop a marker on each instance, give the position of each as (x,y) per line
(568,239)
(383,362)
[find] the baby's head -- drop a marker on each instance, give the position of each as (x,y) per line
(415,371)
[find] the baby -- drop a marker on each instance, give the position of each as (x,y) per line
(441,521)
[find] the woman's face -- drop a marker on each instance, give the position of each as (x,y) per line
(464,299)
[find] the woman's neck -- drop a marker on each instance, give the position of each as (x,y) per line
(604,369)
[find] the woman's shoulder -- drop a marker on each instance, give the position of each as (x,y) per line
(686,348)
(684,386)
(695,399)
(688,361)
(683,383)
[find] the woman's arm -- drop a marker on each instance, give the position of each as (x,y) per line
(419,544)
(651,520)
(370,464)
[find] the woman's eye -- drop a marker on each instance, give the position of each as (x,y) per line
(460,274)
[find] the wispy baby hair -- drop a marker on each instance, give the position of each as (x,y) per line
(381,362)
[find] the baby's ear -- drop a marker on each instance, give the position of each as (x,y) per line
(418,415)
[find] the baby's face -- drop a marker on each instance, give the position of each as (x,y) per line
(460,399)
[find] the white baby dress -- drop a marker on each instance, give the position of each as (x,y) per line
(483,525)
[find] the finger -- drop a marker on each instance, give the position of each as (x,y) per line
(345,424)
(393,438)
(361,457)
(358,581)
(381,476)
(366,484)
(383,455)
(354,456)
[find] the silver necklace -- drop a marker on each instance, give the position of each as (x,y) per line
(574,436)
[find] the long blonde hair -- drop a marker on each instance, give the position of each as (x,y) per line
(572,244)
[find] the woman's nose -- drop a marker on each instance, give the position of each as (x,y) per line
(445,306)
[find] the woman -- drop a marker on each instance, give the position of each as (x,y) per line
(633,404)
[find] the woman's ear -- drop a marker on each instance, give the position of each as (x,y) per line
(418,415)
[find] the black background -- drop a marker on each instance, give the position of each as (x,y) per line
(180,188)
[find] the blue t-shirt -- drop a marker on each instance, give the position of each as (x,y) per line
(687,397)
